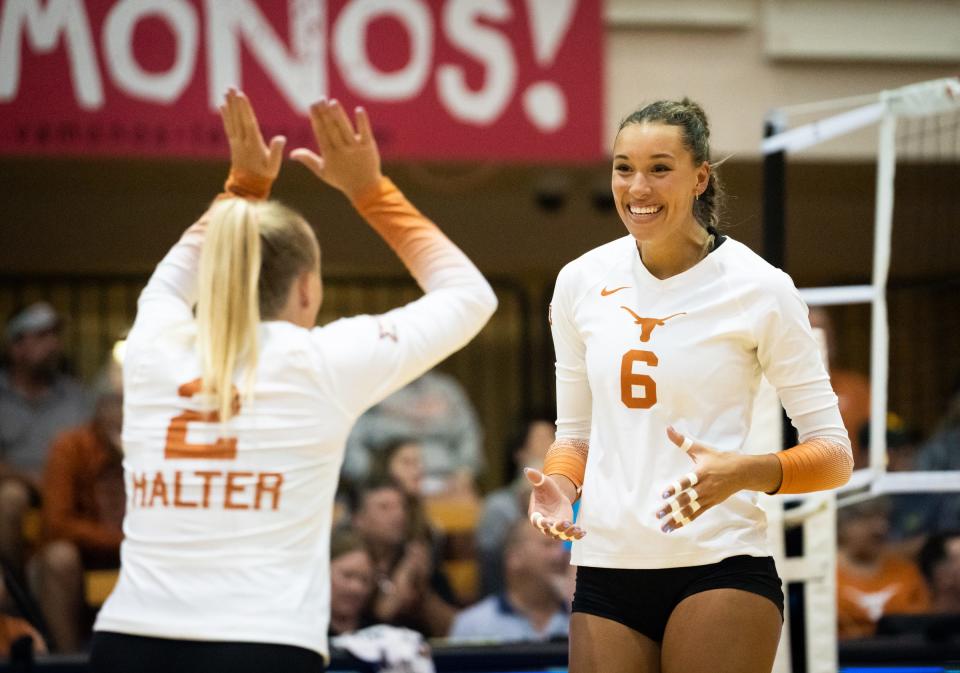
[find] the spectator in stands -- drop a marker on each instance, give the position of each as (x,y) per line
(940,563)
(902,443)
(535,602)
(83,510)
(910,513)
(13,627)
(871,580)
(412,590)
(942,452)
(852,387)
(351,582)
(37,401)
(435,411)
(401,461)
(505,506)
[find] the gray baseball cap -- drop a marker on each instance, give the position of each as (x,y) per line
(37,317)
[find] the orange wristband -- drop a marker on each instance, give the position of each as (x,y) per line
(815,465)
(247,185)
(568,457)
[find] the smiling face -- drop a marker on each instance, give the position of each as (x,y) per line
(655,181)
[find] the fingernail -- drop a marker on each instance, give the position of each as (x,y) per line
(666,529)
(665,494)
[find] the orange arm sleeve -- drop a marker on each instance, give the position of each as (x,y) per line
(568,457)
(246,186)
(817,464)
(417,241)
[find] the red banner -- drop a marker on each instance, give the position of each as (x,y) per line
(443,80)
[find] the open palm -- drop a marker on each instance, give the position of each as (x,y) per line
(249,154)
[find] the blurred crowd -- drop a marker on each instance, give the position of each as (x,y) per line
(416,544)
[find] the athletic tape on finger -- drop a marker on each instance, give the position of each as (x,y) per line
(684,521)
(676,488)
(694,496)
(543,477)
(678,517)
(674,505)
(687,443)
(694,506)
(536,518)
(692,478)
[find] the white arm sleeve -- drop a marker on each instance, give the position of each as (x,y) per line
(171,292)
(369,357)
(574,398)
(791,360)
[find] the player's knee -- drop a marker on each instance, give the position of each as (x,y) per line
(61,559)
(14,498)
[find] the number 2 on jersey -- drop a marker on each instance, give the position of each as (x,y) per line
(225,448)
(646,397)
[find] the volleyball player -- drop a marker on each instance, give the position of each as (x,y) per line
(236,419)
(661,338)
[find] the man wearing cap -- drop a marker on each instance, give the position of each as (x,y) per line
(37,401)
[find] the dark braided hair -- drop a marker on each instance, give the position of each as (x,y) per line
(695,131)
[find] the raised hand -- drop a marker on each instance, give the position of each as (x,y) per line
(249,155)
(717,476)
(550,509)
(349,159)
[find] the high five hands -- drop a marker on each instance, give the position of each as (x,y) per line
(349,159)
(717,476)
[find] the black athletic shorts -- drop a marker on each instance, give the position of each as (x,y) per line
(123,653)
(644,599)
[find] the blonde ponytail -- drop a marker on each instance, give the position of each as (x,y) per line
(228,311)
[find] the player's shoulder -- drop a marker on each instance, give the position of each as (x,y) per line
(342,330)
(346,339)
(761,288)
(602,256)
(594,266)
(743,265)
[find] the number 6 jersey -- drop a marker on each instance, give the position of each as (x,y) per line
(636,354)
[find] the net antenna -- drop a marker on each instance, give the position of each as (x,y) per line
(815,513)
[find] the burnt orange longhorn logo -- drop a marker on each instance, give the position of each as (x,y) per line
(647,325)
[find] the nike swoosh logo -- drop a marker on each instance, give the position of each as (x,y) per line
(606,293)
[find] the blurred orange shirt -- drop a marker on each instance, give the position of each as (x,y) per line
(83,496)
(853,398)
(896,588)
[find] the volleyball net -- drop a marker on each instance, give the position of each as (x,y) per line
(917,162)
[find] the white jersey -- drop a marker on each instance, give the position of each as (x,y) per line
(227,528)
(636,354)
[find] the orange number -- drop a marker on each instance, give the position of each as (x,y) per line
(629,379)
(225,448)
